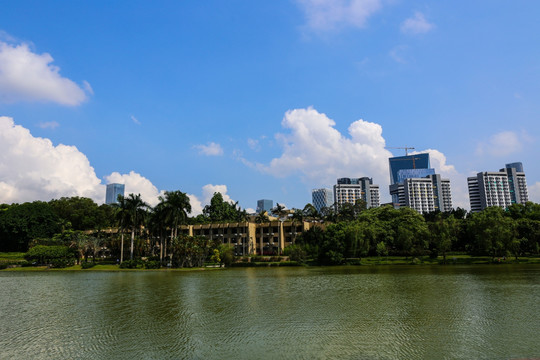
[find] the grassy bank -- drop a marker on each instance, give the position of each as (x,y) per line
(453,259)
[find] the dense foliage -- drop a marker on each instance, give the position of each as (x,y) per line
(386,231)
(91,232)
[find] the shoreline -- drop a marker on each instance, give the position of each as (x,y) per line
(456,260)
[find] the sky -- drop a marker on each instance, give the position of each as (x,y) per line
(261,100)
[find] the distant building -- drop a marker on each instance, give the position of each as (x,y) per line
(322,198)
(348,190)
(264,205)
(113,190)
(424,194)
(405,167)
(498,188)
(414,161)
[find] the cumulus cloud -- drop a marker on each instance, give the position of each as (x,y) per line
(27,76)
(319,153)
(458,181)
(210,149)
(503,143)
(534,192)
(199,202)
(32,168)
(417,24)
(136,184)
(325,15)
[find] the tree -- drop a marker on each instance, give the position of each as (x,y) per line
(176,207)
(136,210)
(492,231)
(20,223)
(123,217)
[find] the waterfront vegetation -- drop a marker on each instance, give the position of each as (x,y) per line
(75,233)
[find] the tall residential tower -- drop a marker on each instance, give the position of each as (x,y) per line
(498,188)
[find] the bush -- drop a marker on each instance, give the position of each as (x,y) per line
(3,266)
(57,256)
(87,265)
(129,264)
(61,263)
(153,264)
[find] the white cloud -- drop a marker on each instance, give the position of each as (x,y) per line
(253,144)
(319,153)
(27,76)
(503,143)
(534,192)
(330,14)
(136,184)
(33,168)
(135,120)
(458,181)
(49,125)
(208,190)
(416,24)
(211,149)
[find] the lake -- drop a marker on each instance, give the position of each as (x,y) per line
(379,312)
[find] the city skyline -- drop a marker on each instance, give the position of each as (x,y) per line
(261,101)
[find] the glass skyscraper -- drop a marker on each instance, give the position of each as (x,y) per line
(415,161)
(264,205)
(113,190)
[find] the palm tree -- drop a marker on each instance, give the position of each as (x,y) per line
(136,209)
(176,207)
(122,216)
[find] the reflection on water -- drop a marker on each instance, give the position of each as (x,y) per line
(489,312)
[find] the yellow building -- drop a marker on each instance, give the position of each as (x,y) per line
(249,238)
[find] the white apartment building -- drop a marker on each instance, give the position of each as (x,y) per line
(424,194)
(348,190)
(498,188)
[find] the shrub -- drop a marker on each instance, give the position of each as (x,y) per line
(61,263)
(87,265)
(153,264)
(129,264)
(57,256)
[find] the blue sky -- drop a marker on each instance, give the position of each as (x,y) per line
(261,99)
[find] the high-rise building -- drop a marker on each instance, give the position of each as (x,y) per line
(498,188)
(404,167)
(322,198)
(113,190)
(264,205)
(427,194)
(414,161)
(348,190)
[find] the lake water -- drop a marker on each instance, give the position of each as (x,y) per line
(406,312)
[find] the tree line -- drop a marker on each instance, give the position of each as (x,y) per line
(351,231)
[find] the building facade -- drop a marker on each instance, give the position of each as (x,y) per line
(112,192)
(250,238)
(264,205)
(498,188)
(426,194)
(321,198)
(348,190)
